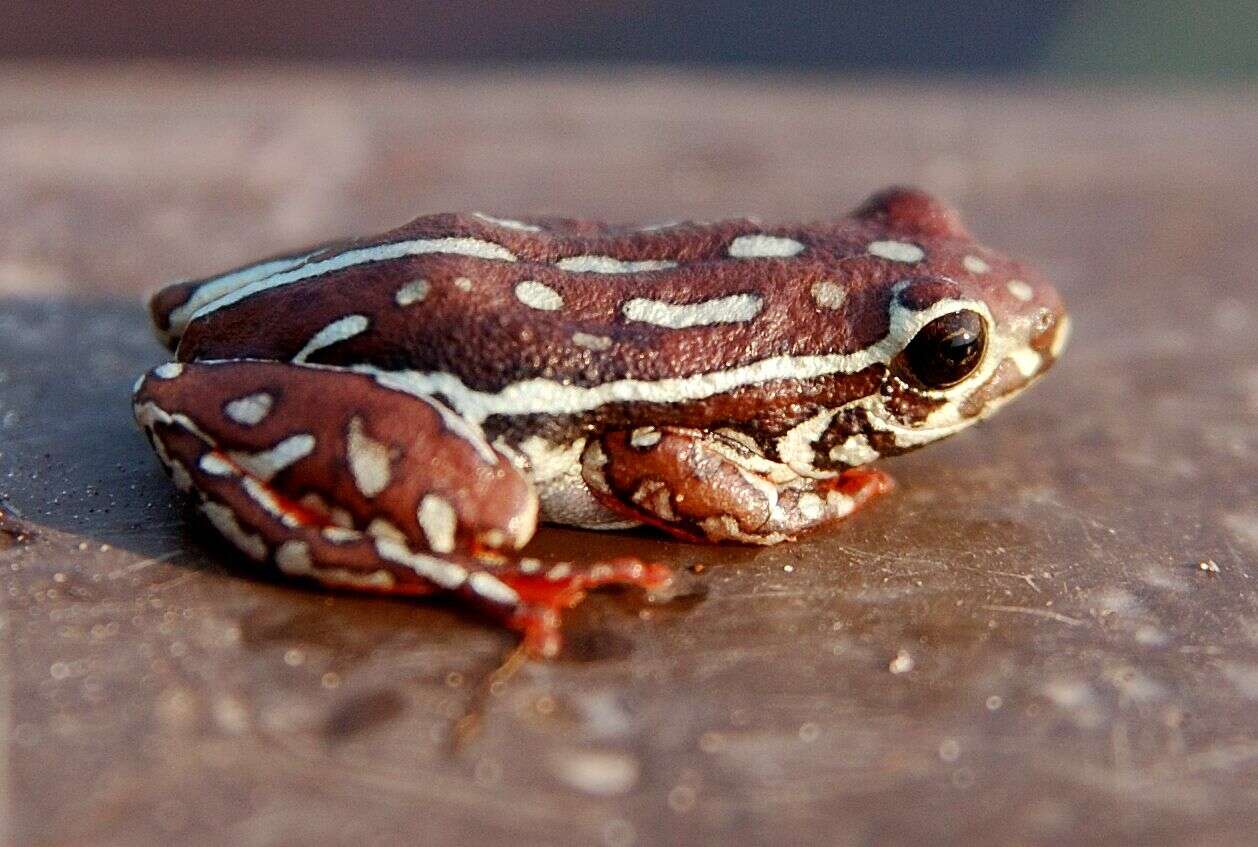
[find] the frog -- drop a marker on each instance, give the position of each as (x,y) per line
(397,414)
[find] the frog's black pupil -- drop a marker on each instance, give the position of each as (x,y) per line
(948,349)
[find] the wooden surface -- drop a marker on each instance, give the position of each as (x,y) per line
(1019,646)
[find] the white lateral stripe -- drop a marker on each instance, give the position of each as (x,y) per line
(220,286)
(360,256)
(333,333)
(735,308)
(543,396)
(612,265)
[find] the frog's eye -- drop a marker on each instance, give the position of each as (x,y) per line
(948,349)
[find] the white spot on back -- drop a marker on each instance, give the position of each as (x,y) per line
(535,295)
(735,308)
(462,283)
(828,295)
(591,342)
(508,223)
(368,460)
(1020,290)
(268,463)
(760,246)
(411,293)
(612,265)
(460,246)
(897,251)
(333,333)
(975,265)
(251,409)
(224,520)
(170,370)
(438,520)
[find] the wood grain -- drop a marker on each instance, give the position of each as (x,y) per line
(1019,646)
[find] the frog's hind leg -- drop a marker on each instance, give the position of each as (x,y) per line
(706,486)
(331,476)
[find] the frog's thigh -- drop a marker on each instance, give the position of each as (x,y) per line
(705,486)
(319,446)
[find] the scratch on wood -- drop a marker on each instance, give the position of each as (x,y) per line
(1039,613)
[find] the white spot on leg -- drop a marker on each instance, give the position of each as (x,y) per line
(170,370)
(975,265)
(612,265)
(897,251)
(250,410)
(368,460)
(440,572)
(493,589)
(1020,290)
(224,520)
(535,295)
(267,463)
(293,558)
(763,246)
(828,295)
(736,308)
(438,520)
(214,464)
(413,292)
(333,333)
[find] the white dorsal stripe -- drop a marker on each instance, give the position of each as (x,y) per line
(333,333)
(220,286)
(612,265)
(507,223)
(735,308)
(461,246)
(543,396)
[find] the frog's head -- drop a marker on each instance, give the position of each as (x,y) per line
(966,331)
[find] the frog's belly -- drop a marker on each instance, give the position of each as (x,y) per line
(554,469)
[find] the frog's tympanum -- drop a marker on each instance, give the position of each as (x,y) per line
(396,414)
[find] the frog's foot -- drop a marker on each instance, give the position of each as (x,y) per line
(701,486)
(334,477)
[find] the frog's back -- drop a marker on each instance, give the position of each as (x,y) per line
(494,301)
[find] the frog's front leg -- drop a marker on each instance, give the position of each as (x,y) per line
(701,485)
(331,476)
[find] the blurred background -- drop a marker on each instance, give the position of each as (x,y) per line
(1128,38)
(144,141)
